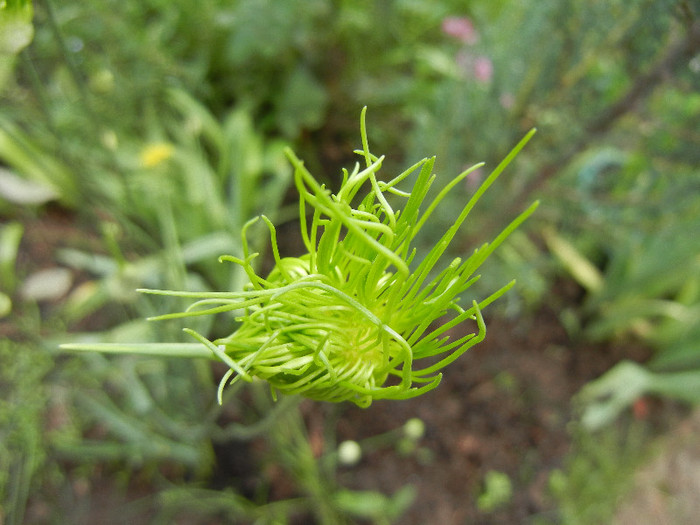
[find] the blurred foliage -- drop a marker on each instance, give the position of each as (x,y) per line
(16,33)
(593,77)
(132,115)
(598,473)
(23,448)
(10,238)
(497,492)
(647,264)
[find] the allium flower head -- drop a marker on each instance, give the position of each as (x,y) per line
(354,318)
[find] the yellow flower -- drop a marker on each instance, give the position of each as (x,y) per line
(156,153)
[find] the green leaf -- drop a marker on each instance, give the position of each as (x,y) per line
(374,505)
(10,237)
(580,268)
(605,398)
(680,385)
(498,491)
(18,190)
(16,32)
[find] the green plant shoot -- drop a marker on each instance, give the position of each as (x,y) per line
(354,318)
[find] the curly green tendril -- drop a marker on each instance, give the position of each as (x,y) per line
(351,319)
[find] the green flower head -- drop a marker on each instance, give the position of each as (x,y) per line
(355,316)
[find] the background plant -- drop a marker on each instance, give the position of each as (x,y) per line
(102,94)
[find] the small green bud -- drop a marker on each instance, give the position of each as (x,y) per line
(414,429)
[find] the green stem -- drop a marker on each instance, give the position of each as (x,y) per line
(187,350)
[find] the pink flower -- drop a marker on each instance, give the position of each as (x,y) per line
(461,28)
(483,69)
(480,68)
